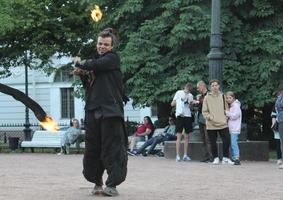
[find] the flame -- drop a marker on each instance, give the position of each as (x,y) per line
(96,14)
(49,125)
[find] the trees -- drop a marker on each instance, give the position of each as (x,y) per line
(162,43)
(171,48)
(31,32)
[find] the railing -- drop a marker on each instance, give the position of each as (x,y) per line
(16,130)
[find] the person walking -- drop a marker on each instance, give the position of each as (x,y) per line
(106,138)
(213,109)
(182,100)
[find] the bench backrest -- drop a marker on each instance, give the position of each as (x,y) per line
(48,136)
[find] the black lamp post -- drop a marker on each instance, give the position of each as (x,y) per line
(215,55)
(27,130)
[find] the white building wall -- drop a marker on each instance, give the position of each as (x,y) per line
(46,93)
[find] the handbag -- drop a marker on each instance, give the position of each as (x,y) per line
(201,119)
(275,126)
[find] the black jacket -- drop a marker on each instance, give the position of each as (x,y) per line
(105,91)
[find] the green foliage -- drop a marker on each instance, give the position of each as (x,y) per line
(163,44)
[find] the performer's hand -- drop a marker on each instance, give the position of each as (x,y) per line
(77,71)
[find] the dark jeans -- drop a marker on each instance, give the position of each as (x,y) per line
(152,142)
(225,137)
(278,149)
(106,148)
(205,141)
(79,140)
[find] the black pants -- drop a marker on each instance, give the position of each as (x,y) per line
(205,141)
(106,148)
(278,149)
(225,137)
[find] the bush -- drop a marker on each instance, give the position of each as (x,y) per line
(131,127)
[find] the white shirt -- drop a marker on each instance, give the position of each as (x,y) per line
(182,108)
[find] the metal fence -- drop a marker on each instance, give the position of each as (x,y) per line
(17,130)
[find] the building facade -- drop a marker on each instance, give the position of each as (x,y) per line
(54,93)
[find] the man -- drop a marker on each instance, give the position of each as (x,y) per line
(202,89)
(169,134)
(213,109)
(106,138)
(182,100)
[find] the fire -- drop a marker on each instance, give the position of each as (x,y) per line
(49,125)
(96,14)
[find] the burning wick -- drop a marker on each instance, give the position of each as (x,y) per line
(96,14)
(48,124)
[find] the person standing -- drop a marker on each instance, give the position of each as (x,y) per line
(106,138)
(279,109)
(202,89)
(234,115)
(276,136)
(213,109)
(182,100)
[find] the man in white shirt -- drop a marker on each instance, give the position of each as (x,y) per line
(182,100)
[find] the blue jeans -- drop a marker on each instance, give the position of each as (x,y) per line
(234,146)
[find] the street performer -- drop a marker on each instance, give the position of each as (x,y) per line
(106,138)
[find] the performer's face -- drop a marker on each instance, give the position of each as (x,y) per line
(104,45)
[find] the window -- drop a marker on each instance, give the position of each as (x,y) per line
(64,75)
(67,103)
(153,111)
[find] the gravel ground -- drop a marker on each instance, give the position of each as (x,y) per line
(51,177)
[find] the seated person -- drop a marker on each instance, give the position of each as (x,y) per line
(70,136)
(169,134)
(146,128)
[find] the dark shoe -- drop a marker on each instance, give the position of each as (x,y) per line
(144,154)
(110,191)
(132,153)
(237,162)
(97,190)
(206,160)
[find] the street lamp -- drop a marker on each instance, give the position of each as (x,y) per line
(27,130)
(215,55)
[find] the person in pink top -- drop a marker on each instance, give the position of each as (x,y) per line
(146,129)
(234,115)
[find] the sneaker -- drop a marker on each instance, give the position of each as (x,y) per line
(97,190)
(132,153)
(237,162)
(216,161)
(186,158)
(178,159)
(110,191)
(227,161)
(281,166)
(279,161)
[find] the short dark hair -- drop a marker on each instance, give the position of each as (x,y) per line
(214,81)
(109,32)
(189,86)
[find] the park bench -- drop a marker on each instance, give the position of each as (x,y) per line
(47,139)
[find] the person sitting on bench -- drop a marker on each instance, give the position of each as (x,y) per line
(70,136)
(169,134)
